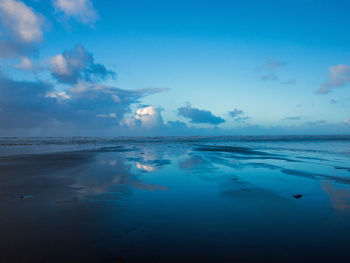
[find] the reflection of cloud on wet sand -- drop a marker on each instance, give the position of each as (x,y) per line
(112,162)
(148,187)
(191,162)
(150,160)
(111,176)
(340,198)
(145,168)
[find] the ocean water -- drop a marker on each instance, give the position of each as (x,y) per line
(175,199)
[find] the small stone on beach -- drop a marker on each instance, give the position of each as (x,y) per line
(25,196)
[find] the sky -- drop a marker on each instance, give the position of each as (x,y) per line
(120,68)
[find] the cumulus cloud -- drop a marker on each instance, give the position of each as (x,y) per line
(25,64)
(91,99)
(60,96)
(339,76)
(35,104)
(22,29)
(23,23)
(89,108)
(77,64)
(199,116)
(82,10)
(147,117)
(148,120)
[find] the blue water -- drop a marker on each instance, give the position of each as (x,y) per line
(177,199)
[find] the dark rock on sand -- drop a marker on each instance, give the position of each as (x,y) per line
(25,196)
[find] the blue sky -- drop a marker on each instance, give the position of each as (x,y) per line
(81,67)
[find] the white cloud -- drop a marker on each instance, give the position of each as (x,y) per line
(148,117)
(25,64)
(77,64)
(38,104)
(347,120)
(339,76)
(128,122)
(21,20)
(59,65)
(82,10)
(84,87)
(57,95)
(116,98)
(110,115)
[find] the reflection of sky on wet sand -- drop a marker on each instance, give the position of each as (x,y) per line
(339,196)
(191,162)
(175,202)
(112,176)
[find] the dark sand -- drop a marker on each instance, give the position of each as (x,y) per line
(177,202)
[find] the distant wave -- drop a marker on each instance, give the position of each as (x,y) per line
(307,143)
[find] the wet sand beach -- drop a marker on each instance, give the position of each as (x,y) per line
(175,200)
